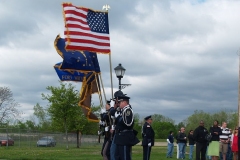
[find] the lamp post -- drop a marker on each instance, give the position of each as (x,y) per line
(119,70)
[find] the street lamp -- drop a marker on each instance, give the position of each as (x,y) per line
(119,70)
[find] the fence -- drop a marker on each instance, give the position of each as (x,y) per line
(28,138)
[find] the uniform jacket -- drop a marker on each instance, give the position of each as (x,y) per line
(106,118)
(147,134)
(200,134)
(124,133)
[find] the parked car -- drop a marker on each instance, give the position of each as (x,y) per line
(46,142)
(4,141)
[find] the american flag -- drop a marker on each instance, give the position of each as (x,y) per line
(86,29)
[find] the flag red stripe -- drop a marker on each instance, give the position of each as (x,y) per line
(78,26)
(75,20)
(91,49)
(75,13)
(88,42)
(86,35)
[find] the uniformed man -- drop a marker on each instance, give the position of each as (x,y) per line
(148,137)
(125,137)
(114,109)
(105,119)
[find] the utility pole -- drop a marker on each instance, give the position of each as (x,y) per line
(238,53)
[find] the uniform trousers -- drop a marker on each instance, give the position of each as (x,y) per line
(146,152)
(104,143)
(201,149)
(123,152)
(106,150)
(113,149)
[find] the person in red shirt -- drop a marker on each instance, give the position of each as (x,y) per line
(234,143)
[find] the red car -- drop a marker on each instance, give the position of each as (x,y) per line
(5,140)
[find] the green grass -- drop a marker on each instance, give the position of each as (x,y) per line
(60,153)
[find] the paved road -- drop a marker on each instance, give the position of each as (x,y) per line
(158,144)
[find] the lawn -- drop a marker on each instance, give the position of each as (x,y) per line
(60,153)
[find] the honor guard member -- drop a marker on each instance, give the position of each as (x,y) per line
(114,109)
(105,119)
(147,138)
(125,137)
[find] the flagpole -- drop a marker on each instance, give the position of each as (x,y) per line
(107,7)
(103,88)
(110,62)
(99,91)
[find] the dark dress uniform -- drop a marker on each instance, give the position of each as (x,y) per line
(201,143)
(125,137)
(148,139)
(105,117)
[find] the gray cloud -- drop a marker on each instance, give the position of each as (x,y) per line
(180,56)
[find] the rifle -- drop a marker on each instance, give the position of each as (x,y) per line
(112,119)
(100,129)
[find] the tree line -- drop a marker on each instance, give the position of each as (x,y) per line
(62,114)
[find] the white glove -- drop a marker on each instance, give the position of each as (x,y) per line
(112,103)
(99,133)
(113,127)
(117,114)
(101,123)
(106,128)
(149,144)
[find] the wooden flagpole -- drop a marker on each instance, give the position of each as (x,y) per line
(107,7)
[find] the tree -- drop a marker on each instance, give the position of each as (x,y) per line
(42,116)
(192,121)
(162,129)
(161,118)
(63,109)
(8,106)
(30,125)
(138,125)
(180,125)
(162,125)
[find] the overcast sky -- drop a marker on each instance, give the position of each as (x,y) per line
(180,55)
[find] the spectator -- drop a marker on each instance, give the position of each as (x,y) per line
(224,140)
(234,143)
(177,146)
(201,143)
(182,141)
(191,144)
(170,141)
(213,148)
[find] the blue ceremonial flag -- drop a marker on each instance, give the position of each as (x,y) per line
(82,61)
(65,75)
